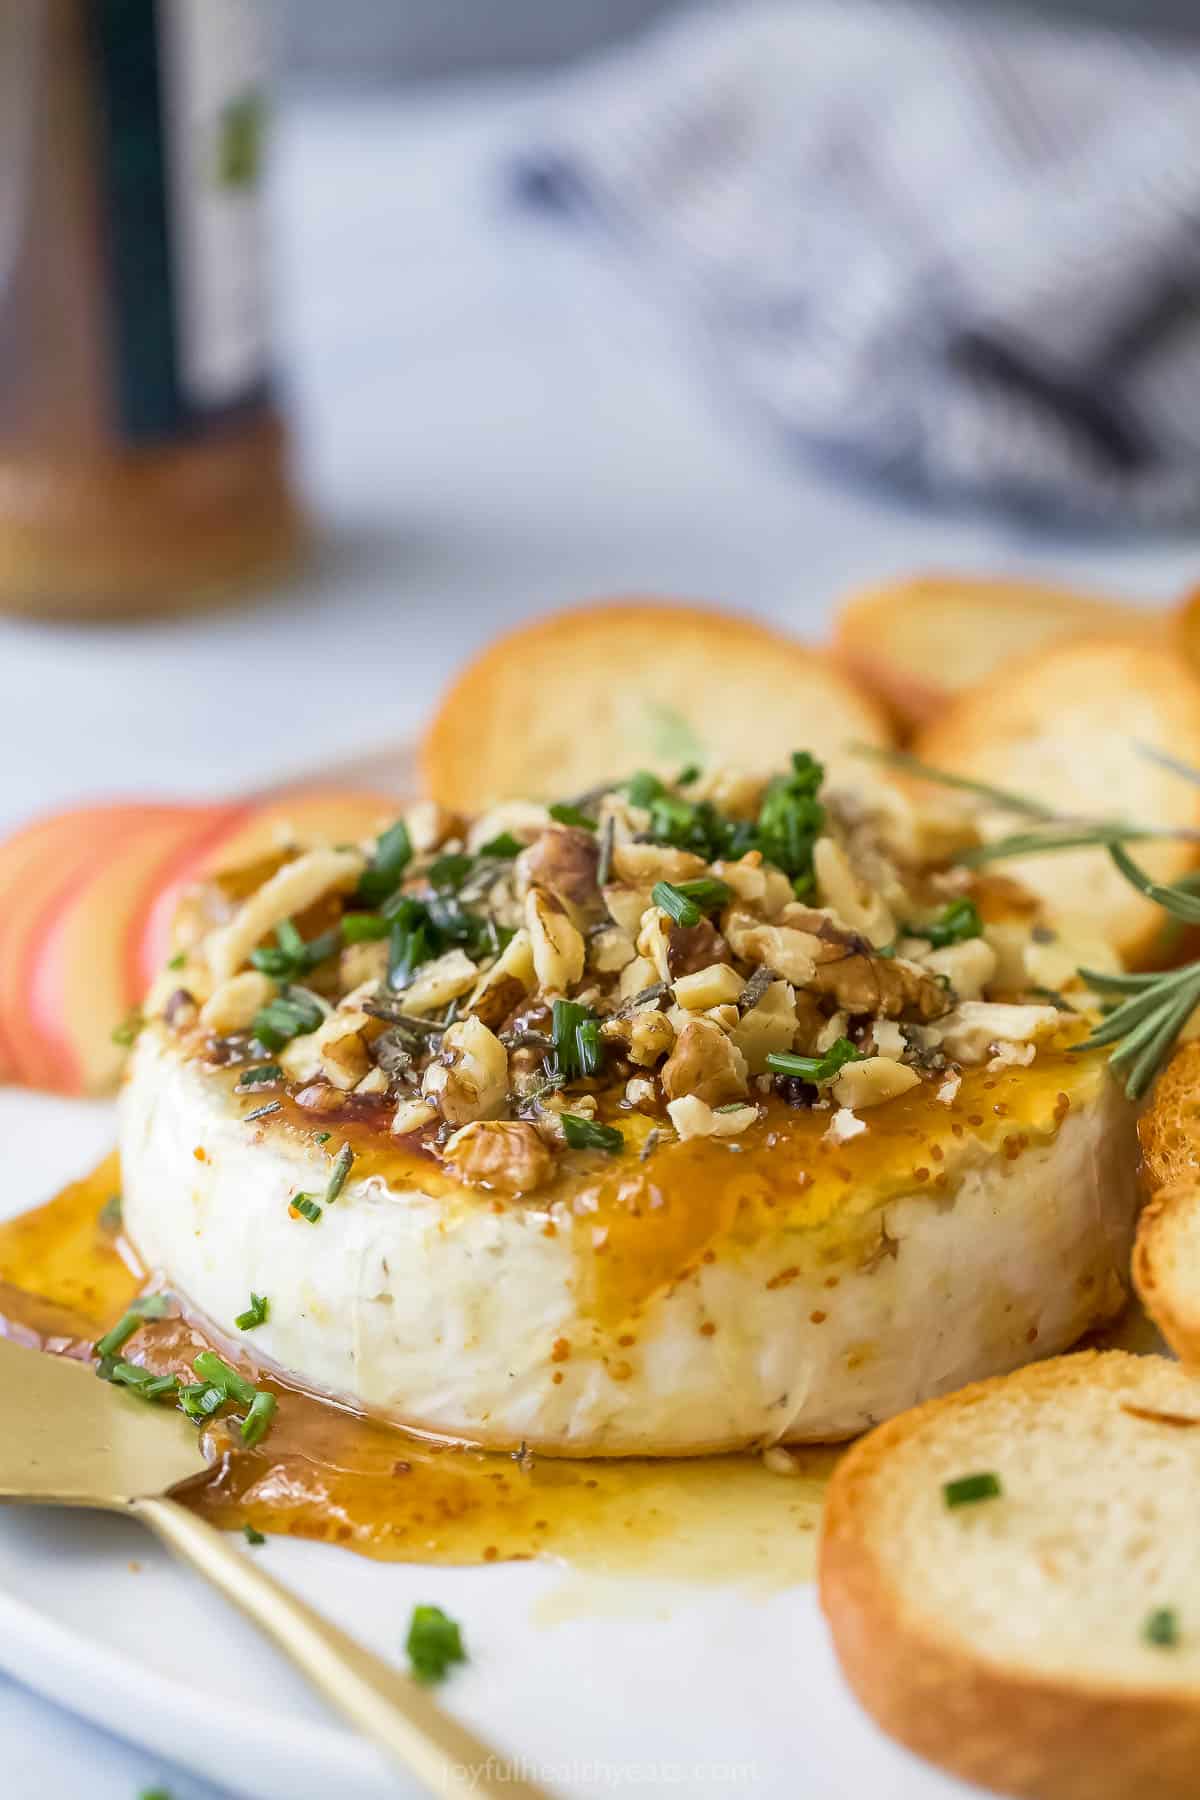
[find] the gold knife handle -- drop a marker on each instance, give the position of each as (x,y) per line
(381,1701)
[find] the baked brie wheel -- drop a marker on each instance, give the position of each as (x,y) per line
(678,1120)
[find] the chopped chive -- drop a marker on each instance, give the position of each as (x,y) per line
(505,846)
(201,1399)
(687,775)
(363,928)
(151,1306)
(252,1535)
(306,1206)
(434,1642)
(109,1216)
(127,1031)
(260,1077)
(708,893)
(566,1018)
(262,1112)
(257,1421)
(450,871)
(322,1137)
(213,1368)
(292,1014)
(643,788)
(587,1134)
(391,856)
(144,1382)
(177,961)
(955,923)
(343,1162)
(666,896)
(1162,1628)
(572,815)
(969,1489)
(589,1051)
(257,1313)
(817,1069)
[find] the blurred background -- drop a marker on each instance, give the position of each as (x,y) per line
(486,310)
(378,41)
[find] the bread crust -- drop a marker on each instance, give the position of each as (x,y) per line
(1015,1732)
(1049,704)
(919,642)
(1169,1129)
(1163,1273)
(516,723)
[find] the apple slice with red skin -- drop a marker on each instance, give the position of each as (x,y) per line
(72,848)
(79,987)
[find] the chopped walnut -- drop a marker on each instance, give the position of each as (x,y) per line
(469,1079)
(505,1154)
(558,946)
(705,1063)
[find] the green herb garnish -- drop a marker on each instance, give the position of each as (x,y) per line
(690,773)
(252,1535)
(391,856)
(449,872)
(151,1306)
(1162,1628)
(677,905)
(343,1162)
(968,1489)
(643,788)
(290,957)
(143,1382)
(363,928)
(434,1642)
(292,1014)
(260,1077)
(257,1313)
(264,1111)
(125,1034)
(177,961)
(563,814)
(214,1369)
(817,1069)
(109,1216)
(955,924)
(258,1420)
(588,1134)
(567,1017)
(504,847)
(201,1399)
(306,1206)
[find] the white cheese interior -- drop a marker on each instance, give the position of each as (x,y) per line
(441,1313)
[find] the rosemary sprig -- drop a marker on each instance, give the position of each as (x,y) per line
(1155,1006)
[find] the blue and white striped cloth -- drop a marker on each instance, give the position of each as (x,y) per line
(964,255)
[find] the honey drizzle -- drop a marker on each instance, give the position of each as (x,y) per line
(328,1474)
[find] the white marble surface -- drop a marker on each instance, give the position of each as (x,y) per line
(495,417)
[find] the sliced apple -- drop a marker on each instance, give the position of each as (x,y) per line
(81,984)
(72,848)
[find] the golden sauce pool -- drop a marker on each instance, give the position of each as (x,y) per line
(329,1474)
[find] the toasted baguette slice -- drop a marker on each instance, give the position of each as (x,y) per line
(1169,1129)
(1063,726)
(1166,1266)
(590,695)
(1007,1639)
(916,644)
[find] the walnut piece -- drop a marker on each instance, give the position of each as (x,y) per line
(504,1154)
